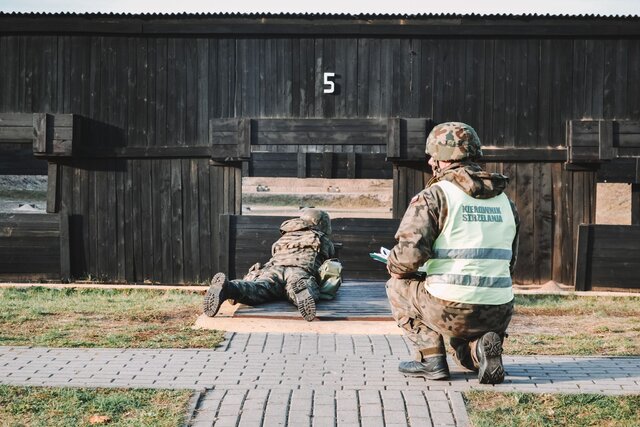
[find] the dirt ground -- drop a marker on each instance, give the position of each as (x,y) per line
(613,204)
(372,198)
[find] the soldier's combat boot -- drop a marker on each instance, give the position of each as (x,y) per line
(216,294)
(304,301)
(432,368)
(489,353)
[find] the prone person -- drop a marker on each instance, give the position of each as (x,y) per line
(464,230)
(303,251)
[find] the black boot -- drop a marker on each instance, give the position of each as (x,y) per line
(489,353)
(304,301)
(432,368)
(216,294)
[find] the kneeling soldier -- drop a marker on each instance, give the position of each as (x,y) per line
(464,229)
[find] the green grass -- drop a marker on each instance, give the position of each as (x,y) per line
(33,195)
(42,406)
(568,305)
(102,318)
(575,325)
(490,409)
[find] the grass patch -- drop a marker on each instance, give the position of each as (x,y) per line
(14,194)
(571,305)
(43,406)
(554,325)
(491,409)
(102,318)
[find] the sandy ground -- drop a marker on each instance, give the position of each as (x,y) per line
(613,204)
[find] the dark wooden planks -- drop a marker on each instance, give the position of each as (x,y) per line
(607,257)
(358,300)
(34,246)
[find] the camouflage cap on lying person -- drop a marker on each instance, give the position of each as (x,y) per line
(453,141)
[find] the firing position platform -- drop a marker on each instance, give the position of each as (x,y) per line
(356,300)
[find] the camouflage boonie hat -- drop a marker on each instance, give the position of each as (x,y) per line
(317,219)
(453,141)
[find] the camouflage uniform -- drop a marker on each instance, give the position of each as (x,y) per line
(423,317)
(295,260)
(290,273)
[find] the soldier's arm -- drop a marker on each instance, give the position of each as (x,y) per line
(418,229)
(514,245)
(327,249)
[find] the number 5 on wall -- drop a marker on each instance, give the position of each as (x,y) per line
(330,83)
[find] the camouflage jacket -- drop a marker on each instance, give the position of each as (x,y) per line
(301,246)
(428,210)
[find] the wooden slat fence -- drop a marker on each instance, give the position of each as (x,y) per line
(608,257)
(34,246)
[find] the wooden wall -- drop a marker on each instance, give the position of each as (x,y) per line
(34,246)
(138,215)
(607,257)
(135,220)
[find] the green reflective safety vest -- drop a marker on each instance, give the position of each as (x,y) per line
(471,256)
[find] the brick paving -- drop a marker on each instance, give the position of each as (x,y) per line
(268,379)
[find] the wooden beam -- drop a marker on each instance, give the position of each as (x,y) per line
(581,266)
(351,165)
(244,138)
(393,138)
(372,25)
(606,149)
(224,243)
(327,165)
(53,195)
(65,250)
(39,133)
(302,165)
(635,204)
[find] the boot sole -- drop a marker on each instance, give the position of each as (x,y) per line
(305,302)
(439,375)
(213,298)
(491,369)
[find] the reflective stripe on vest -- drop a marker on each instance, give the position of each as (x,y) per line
(471,256)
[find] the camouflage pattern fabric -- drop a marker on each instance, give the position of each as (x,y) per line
(296,258)
(273,283)
(428,211)
(425,319)
(453,141)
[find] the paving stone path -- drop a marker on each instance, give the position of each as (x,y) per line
(309,379)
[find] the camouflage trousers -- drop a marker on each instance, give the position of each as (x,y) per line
(425,319)
(273,283)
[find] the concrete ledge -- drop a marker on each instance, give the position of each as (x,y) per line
(335,327)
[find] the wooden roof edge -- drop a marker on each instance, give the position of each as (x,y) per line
(308,24)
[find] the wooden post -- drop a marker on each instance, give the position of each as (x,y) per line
(351,165)
(606,151)
(244,138)
(65,258)
(635,204)
(40,133)
(224,244)
(327,165)
(582,283)
(302,165)
(52,188)
(393,138)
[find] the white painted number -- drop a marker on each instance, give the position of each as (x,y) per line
(330,83)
